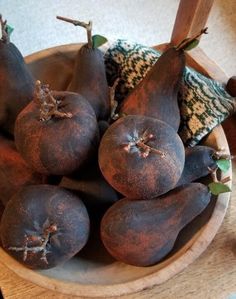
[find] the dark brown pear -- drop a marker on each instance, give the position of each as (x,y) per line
(231,86)
(16,81)
(93,189)
(142,232)
(156,95)
(89,76)
(200,160)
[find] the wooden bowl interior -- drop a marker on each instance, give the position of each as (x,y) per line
(93,272)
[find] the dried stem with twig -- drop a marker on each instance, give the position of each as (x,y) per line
(5,36)
(49,106)
(87,26)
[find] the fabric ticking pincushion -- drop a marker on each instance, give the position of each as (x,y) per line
(203,102)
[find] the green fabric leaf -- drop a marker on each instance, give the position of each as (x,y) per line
(223,164)
(218,188)
(193,44)
(9,29)
(98,40)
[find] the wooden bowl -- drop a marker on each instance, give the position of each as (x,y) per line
(93,272)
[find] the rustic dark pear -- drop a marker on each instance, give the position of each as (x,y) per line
(141,157)
(200,161)
(57,132)
(157,94)
(43,226)
(14,172)
(89,76)
(93,189)
(231,86)
(16,84)
(142,232)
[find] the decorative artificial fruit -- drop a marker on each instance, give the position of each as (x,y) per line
(141,157)
(231,86)
(93,189)
(142,232)
(199,161)
(89,77)
(57,132)
(16,81)
(157,94)
(202,160)
(14,172)
(43,226)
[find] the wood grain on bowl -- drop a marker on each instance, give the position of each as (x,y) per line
(104,277)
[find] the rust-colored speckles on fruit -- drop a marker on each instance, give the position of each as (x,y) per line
(142,232)
(58,146)
(156,94)
(37,234)
(141,157)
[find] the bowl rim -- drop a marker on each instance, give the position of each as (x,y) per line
(189,252)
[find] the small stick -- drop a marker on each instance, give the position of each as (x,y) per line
(222,155)
(40,248)
(5,36)
(147,149)
(87,26)
(48,104)
(213,173)
(141,143)
(225,180)
(185,42)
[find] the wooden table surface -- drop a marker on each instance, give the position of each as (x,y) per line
(212,275)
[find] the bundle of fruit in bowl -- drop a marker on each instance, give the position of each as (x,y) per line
(73,159)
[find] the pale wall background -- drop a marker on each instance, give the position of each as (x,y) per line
(145,21)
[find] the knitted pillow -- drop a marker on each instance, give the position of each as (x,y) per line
(203,102)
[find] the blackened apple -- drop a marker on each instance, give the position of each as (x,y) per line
(57,132)
(141,157)
(43,226)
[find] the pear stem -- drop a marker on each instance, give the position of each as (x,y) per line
(186,41)
(87,26)
(48,104)
(213,173)
(5,36)
(222,155)
(141,144)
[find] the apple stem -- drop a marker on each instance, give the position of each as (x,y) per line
(87,26)
(5,36)
(48,104)
(35,249)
